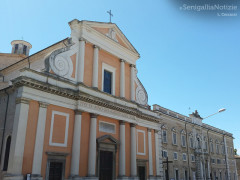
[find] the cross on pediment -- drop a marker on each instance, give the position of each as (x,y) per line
(110,14)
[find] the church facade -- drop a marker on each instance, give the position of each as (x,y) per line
(77,110)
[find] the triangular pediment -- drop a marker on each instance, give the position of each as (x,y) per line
(107,139)
(111,30)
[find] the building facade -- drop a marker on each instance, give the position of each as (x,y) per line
(195,150)
(77,110)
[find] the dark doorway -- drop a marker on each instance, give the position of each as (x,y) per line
(7,151)
(106,165)
(55,171)
(177,178)
(141,172)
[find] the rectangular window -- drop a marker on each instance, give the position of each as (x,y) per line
(183,140)
(217,148)
(164,133)
(107,86)
(184,156)
(211,147)
(206,146)
(16,49)
(25,49)
(223,149)
(175,156)
(218,161)
(174,135)
(192,158)
(164,154)
(191,142)
(108,78)
(213,161)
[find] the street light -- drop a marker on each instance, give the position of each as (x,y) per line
(219,111)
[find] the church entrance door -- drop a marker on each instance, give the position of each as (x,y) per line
(106,165)
(55,171)
(141,172)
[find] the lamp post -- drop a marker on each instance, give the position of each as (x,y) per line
(219,111)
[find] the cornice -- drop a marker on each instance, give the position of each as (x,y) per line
(79,95)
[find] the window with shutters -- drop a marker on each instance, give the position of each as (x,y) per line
(175,155)
(174,137)
(184,156)
(164,154)
(183,137)
(164,134)
(108,79)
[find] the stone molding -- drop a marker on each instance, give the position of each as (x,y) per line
(87,100)
(22,100)
(43,104)
(77,112)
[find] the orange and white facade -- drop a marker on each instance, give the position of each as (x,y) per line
(64,117)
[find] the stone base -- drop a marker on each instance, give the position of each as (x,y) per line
(90,178)
(13,177)
(123,178)
(133,178)
(75,178)
(152,178)
(36,177)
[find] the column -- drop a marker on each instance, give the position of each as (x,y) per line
(226,158)
(18,138)
(157,153)
(132,82)
(76,144)
(150,162)
(208,169)
(122,78)
(81,54)
(122,150)
(95,67)
(39,140)
(92,147)
(133,151)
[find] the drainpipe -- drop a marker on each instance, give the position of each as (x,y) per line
(189,169)
(4,125)
(209,158)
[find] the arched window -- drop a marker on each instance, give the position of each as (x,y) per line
(7,151)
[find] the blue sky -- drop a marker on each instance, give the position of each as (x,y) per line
(188,59)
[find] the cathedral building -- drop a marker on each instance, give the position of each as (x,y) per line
(77,110)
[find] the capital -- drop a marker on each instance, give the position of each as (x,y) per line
(82,39)
(149,130)
(95,46)
(133,125)
(77,112)
(121,122)
(156,130)
(132,66)
(122,60)
(92,115)
(22,100)
(43,104)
